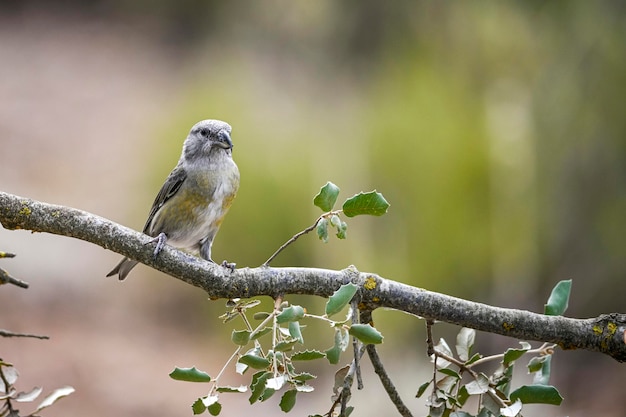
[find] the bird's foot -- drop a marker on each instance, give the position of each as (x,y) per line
(229,265)
(160,243)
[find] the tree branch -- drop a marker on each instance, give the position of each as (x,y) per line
(604,334)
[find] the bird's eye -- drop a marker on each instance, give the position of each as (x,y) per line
(204,132)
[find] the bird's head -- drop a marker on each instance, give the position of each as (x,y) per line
(207,136)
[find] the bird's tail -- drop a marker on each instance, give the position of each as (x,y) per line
(123,268)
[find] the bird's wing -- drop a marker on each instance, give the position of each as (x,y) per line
(170,188)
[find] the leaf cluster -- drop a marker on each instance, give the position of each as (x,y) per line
(9,395)
(272,350)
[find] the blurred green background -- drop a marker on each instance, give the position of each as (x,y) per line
(496,130)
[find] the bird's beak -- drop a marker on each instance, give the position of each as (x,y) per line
(223,140)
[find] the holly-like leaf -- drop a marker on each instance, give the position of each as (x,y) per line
(288,400)
(254,361)
(480,385)
(422,389)
(372,203)
(511,355)
(327,197)
(340,298)
(303,377)
(542,375)
(559,299)
(215,409)
(537,394)
(291,313)
(198,407)
(322,230)
(366,334)
(258,385)
(295,332)
(256,334)
(342,338)
(285,345)
(189,375)
(53,397)
(240,337)
(342,230)
(307,355)
(227,388)
(450,372)
(24,397)
(464,342)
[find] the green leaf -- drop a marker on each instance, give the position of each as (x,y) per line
(322,230)
(464,342)
(473,359)
(366,334)
(450,372)
(198,407)
(307,355)
(511,355)
(480,385)
(536,363)
(215,409)
(254,361)
(303,377)
(462,396)
(340,298)
(291,313)
(288,400)
(256,334)
(226,388)
(542,375)
(559,299)
(422,389)
(285,345)
(261,315)
(327,197)
(341,342)
(240,337)
(189,375)
(372,203)
(537,394)
(342,230)
(257,386)
(295,332)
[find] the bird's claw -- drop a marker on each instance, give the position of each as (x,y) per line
(229,265)
(160,243)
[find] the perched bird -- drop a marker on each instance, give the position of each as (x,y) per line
(190,207)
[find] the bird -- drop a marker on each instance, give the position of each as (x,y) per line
(190,207)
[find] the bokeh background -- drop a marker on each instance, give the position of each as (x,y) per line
(496,130)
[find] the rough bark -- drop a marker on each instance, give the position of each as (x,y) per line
(605,333)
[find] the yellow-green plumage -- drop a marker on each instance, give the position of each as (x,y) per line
(191,205)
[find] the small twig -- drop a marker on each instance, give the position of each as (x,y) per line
(297,235)
(386,381)
(5,278)
(545,349)
(6,384)
(293,239)
(6,255)
(356,347)
(7,333)
(277,303)
(343,396)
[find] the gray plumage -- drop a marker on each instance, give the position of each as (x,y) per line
(189,209)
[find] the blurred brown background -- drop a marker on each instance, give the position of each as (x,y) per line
(496,131)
